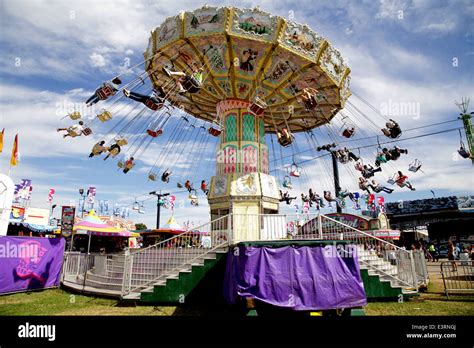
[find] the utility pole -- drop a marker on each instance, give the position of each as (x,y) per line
(158,205)
(335,171)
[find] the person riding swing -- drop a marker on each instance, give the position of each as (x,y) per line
(285,138)
(392,129)
(187,83)
(153,102)
(165,177)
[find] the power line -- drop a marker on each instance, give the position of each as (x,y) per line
(374,136)
(386,142)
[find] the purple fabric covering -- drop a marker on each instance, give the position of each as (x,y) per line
(301,278)
(30,263)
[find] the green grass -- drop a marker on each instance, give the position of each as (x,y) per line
(431,302)
(60,302)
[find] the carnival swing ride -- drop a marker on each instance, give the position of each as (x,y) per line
(230,81)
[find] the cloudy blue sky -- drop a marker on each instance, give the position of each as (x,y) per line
(54,53)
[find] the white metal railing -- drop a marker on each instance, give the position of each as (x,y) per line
(262,227)
(458,277)
(331,229)
(93,270)
(144,267)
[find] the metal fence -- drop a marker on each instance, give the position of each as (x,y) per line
(421,268)
(144,267)
(458,277)
(93,271)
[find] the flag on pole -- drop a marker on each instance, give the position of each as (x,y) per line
(15,153)
(51,195)
(1,140)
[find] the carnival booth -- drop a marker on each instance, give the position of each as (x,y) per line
(92,234)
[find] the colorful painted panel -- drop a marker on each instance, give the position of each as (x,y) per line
(262,131)
(248,127)
(269,186)
(246,185)
(220,185)
(207,20)
(301,39)
(230,159)
(265,165)
(250,159)
(169,31)
(333,63)
(231,128)
(255,24)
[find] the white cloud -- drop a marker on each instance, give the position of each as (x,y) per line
(97,60)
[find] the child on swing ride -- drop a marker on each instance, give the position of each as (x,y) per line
(379,188)
(402,181)
(128,165)
(285,197)
(392,129)
(165,177)
(98,149)
(204,187)
(308,97)
(73,131)
(314,197)
(369,171)
(113,150)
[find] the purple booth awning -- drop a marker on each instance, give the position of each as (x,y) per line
(301,278)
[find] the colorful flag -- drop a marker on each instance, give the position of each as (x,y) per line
(91,194)
(1,140)
(15,153)
(51,195)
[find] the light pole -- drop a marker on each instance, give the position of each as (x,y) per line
(158,205)
(83,196)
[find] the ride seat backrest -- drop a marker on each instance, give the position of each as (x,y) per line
(463,153)
(152,176)
(347,133)
(105,92)
(121,142)
(75,115)
(87,131)
(104,116)
(151,105)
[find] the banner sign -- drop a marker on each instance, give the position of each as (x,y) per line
(67,220)
(30,263)
(37,216)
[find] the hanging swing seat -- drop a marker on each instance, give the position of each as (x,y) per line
(463,152)
(120,164)
(179,185)
(295,171)
(348,128)
(214,131)
(87,131)
(257,107)
(192,197)
(392,180)
(191,84)
(135,206)
(152,105)
(287,182)
(152,133)
(104,116)
(348,132)
(104,92)
(285,138)
(121,141)
(75,115)
(152,176)
(415,166)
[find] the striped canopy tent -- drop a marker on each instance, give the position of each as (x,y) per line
(171,226)
(93,225)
